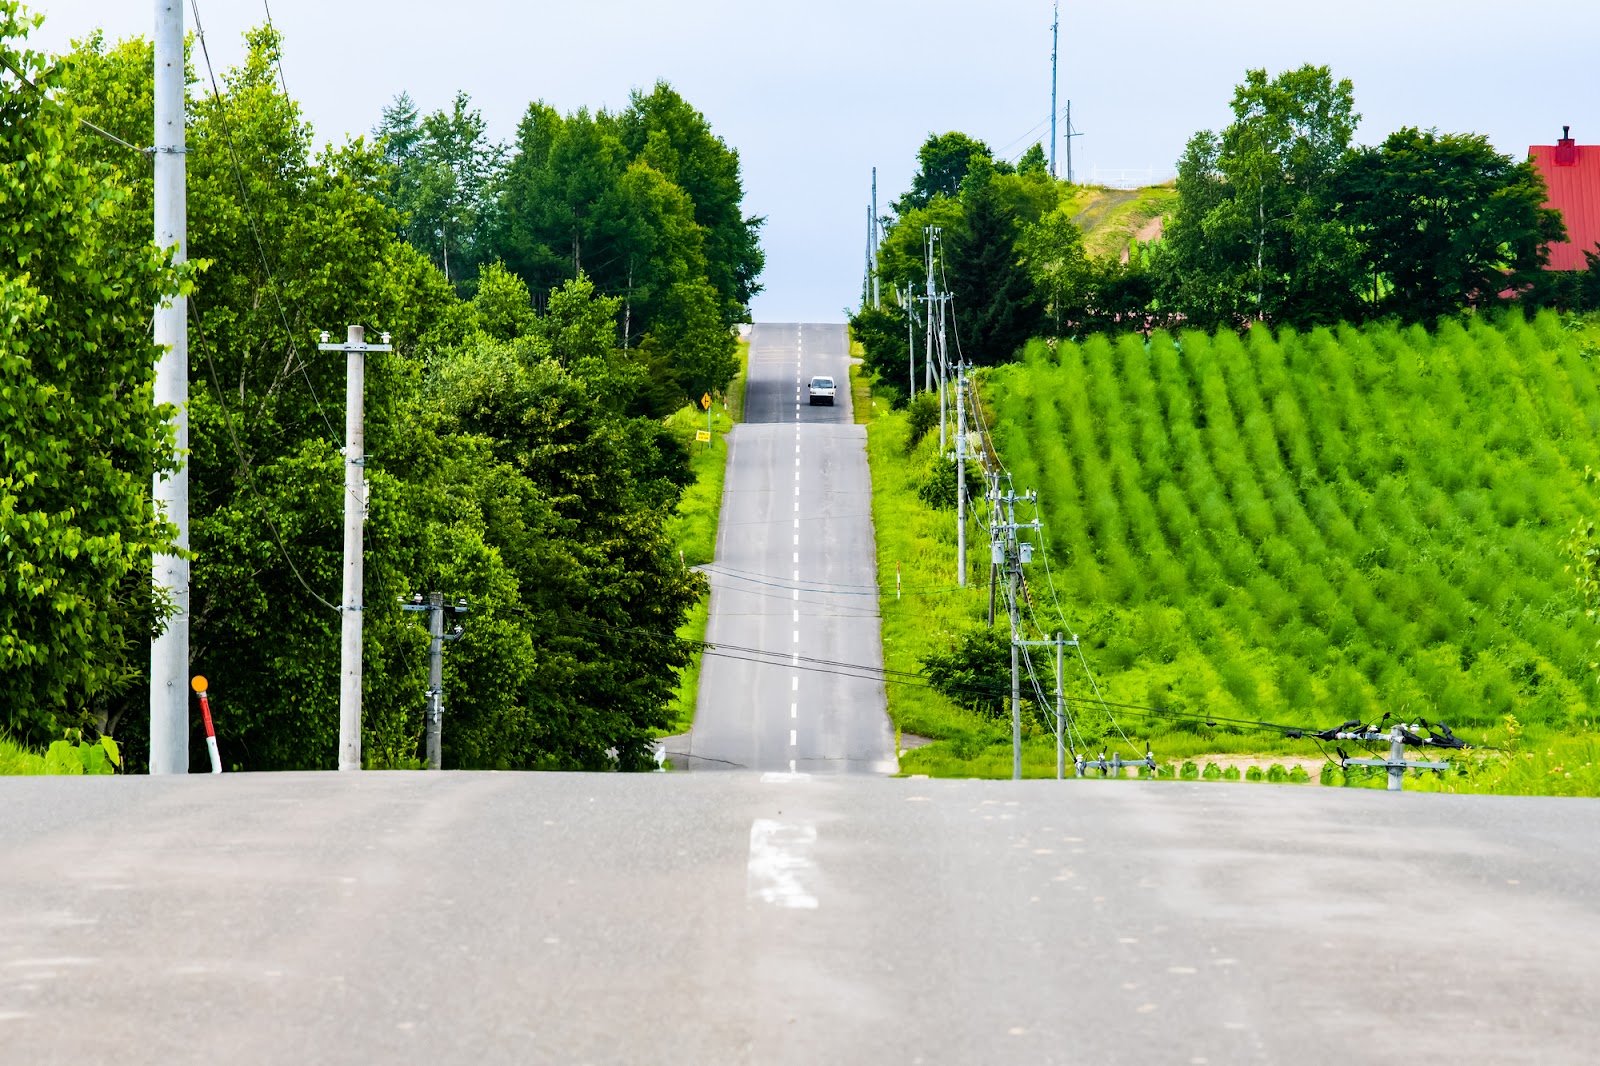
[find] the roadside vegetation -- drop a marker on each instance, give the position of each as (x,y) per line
(553,302)
(1301,529)
(694,525)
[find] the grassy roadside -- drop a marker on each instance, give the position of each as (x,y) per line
(693,527)
(16,760)
(916,546)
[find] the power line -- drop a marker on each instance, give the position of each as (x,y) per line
(244,461)
(281,79)
(250,214)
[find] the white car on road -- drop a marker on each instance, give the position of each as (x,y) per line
(822,390)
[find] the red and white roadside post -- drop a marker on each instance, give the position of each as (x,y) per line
(199,685)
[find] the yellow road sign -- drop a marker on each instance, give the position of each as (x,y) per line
(702,436)
(705,402)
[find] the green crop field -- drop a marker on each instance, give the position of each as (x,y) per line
(1314,528)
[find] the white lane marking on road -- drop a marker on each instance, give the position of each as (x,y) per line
(792,738)
(778,777)
(780,863)
(797,508)
(797,538)
(794,683)
(791,769)
(797,521)
(797,636)
(797,559)
(797,594)
(797,577)
(797,614)
(794,710)
(797,490)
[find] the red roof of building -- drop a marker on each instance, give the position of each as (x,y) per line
(1572,174)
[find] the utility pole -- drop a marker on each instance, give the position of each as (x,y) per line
(169,652)
(866,273)
(961,476)
(1055,26)
(1061,706)
(1071,133)
(1016,684)
(929,234)
(1008,556)
(355,517)
(944,363)
(876,296)
(433,717)
(911,341)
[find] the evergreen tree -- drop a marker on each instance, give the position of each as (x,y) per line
(997,305)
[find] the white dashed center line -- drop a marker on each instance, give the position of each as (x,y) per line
(792,738)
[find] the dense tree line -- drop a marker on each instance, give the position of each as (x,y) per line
(518,456)
(1280,218)
(645,203)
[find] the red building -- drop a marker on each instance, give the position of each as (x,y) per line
(1572,174)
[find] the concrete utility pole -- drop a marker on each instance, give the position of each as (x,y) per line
(1061,707)
(911,342)
(1016,682)
(866,274)
(433,740)
(169,652)
(944,363)
(355,517)
(1071,133)
(1055,26)
(433,717)
(929,234)
(876,296)
(961,476)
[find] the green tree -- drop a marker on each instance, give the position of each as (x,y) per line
(997,307)
(442,179)
(79,431)
(942,165)
(1254,234)
(1446,221)
(663,130)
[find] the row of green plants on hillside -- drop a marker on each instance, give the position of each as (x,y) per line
(1278,218)
(522,455)
(1301,529)
(1332,525)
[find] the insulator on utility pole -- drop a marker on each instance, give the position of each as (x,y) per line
(355,518)
(169,650)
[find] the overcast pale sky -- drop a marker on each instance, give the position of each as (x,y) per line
(813,95)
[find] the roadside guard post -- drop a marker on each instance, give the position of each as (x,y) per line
(199,685)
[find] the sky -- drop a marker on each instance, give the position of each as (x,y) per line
(815,94)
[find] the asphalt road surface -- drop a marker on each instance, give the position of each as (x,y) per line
(459,918)
(794,584)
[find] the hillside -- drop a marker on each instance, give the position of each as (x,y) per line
(1110,218)
(1317,527)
